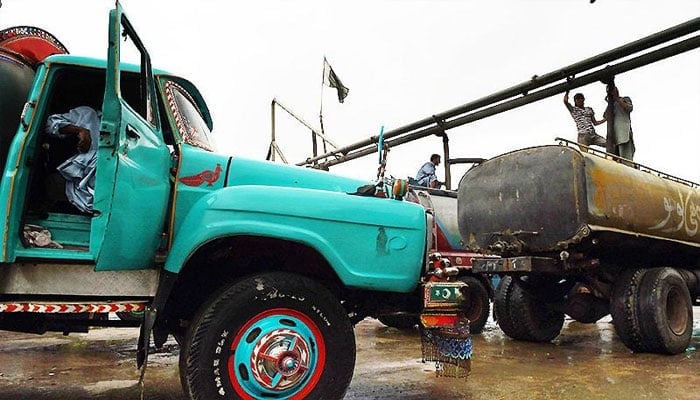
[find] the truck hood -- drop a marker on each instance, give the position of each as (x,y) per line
(244,171)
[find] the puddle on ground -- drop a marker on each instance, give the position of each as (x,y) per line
(586,362)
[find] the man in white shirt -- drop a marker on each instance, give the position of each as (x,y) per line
(78,170)
(584,117)
(426,174)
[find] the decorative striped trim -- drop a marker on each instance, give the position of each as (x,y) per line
(24,31)
(186,131)
(69,308)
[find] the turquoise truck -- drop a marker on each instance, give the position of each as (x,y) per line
(258,270)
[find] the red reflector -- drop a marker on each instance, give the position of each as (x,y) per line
(438,320)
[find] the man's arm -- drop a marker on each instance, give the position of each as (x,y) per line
(625,103)
(595,122)
(83,135)
(433,179)
(67,124)
(566,100)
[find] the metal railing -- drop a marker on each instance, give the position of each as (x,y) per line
(622,160)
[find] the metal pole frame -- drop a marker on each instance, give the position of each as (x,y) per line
(452,118)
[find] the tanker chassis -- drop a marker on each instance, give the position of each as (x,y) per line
(585,234)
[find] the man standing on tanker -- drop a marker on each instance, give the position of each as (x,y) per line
(584,117)
(620,140)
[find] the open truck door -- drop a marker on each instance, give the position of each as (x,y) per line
(133,161)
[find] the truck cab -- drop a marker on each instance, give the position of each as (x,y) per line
(258,270)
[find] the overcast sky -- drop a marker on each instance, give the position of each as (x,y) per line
(402,61)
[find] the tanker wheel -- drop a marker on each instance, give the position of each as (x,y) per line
(477,306)
(503,308)
(538,321)
(666,311)
(399,321)
(624,309)
(272,336)
(476,309)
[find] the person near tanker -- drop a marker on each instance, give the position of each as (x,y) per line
(620,140)
(426,174)
(584,117)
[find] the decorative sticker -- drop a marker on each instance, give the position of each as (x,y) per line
(207,176)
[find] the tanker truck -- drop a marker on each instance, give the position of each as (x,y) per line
(585,234)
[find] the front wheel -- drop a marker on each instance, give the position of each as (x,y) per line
(272,336)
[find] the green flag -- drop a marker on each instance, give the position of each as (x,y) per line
(332,80)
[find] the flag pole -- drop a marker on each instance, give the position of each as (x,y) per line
(332,80)
(320,111)
(323,79)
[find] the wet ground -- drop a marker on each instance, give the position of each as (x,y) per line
(584,362)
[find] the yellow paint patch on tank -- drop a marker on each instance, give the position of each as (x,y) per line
(630,199)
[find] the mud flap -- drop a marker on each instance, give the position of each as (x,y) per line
(165,286)
(149,321)
(445,337)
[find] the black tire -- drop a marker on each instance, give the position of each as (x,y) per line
(274,335)
(538,322)
(624,309)
(666,311)
(182,366)
(477,308)
(502,308)
(400,321)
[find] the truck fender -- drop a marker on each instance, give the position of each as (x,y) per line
(389,233)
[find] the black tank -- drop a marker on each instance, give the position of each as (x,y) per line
(543,200)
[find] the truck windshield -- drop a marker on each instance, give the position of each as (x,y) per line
(189,121)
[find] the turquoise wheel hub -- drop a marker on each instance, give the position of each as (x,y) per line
(278,354)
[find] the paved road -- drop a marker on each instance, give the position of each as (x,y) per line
(584,362)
